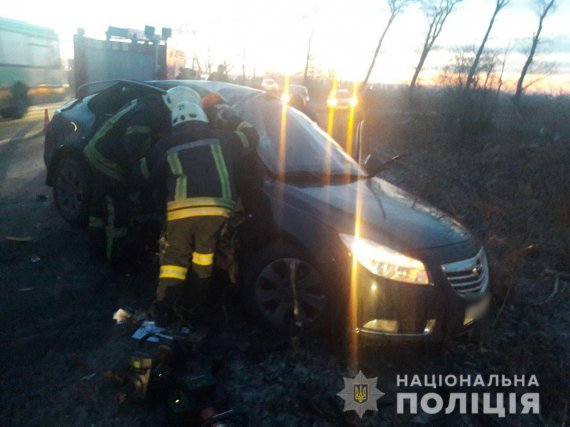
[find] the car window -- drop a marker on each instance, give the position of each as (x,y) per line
(309,153)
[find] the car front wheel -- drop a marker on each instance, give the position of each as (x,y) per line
(284,288)
(71,190)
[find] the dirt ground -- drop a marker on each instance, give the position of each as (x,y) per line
(59,339)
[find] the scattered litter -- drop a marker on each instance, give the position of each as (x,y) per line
(88,377)
(139,315)
(19,239)
(41,197)
(25,289)
(121,316)
(35,259)
(147,327)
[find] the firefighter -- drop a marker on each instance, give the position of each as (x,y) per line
(115,153)
(197,164)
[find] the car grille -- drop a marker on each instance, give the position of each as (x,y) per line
(469,276)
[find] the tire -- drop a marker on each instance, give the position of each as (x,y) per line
(268,294)
(72,190)
(19,101)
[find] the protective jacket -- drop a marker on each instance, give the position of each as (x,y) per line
(196,174)
(127,137)
(115,152)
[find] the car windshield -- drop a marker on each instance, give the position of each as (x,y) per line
(309,154)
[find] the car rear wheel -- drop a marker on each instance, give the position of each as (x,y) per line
(71,190)
(279,279)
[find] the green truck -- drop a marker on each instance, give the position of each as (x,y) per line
(31,69)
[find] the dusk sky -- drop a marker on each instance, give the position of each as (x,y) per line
(274,35)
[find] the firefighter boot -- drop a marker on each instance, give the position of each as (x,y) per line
(161,309)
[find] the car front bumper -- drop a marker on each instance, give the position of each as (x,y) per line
(388,310)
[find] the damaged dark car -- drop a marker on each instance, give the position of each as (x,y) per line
(323,231)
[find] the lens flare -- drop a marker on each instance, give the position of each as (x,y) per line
(283,133)
(350,126)
(354,280)
(331,110)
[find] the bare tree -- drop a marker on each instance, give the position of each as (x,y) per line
(543,8)
(500,4)
(396,7)
(307,61)
(436,12)
(503,65)
(455,73)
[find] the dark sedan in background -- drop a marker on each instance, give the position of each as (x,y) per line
(321,226)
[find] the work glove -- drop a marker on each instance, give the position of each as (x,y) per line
(222,116)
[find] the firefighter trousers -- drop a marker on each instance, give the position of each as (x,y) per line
(108,218)
(189,241)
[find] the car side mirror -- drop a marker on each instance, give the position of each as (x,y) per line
(373,165)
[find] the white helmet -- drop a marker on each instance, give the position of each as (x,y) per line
(188,111)
(177,94)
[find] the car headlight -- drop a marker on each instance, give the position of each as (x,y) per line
(386,262)
(353,101)
(332,102)
(285,98)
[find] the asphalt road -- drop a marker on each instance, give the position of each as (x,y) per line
(28,126)
(56,306)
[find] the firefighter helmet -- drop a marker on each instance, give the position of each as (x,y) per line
(188,111)
(178,94)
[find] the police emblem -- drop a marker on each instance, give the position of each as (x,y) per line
(360,394)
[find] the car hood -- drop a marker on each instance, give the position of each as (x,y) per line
(387,214)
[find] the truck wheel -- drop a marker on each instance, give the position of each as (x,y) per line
(268,293)
(71,190)
(19,101)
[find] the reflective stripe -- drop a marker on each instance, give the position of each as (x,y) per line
(222,171)
(112,232)
(144,168)
(193,212)
(193,202)
(243,139)
(96,222)
(102,164)
(243,125)
(178,172)
(172,272)
(108,125)
(202,259)
(138,129)
(192,145)
(120,232)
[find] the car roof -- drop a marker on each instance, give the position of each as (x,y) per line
(230,92)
